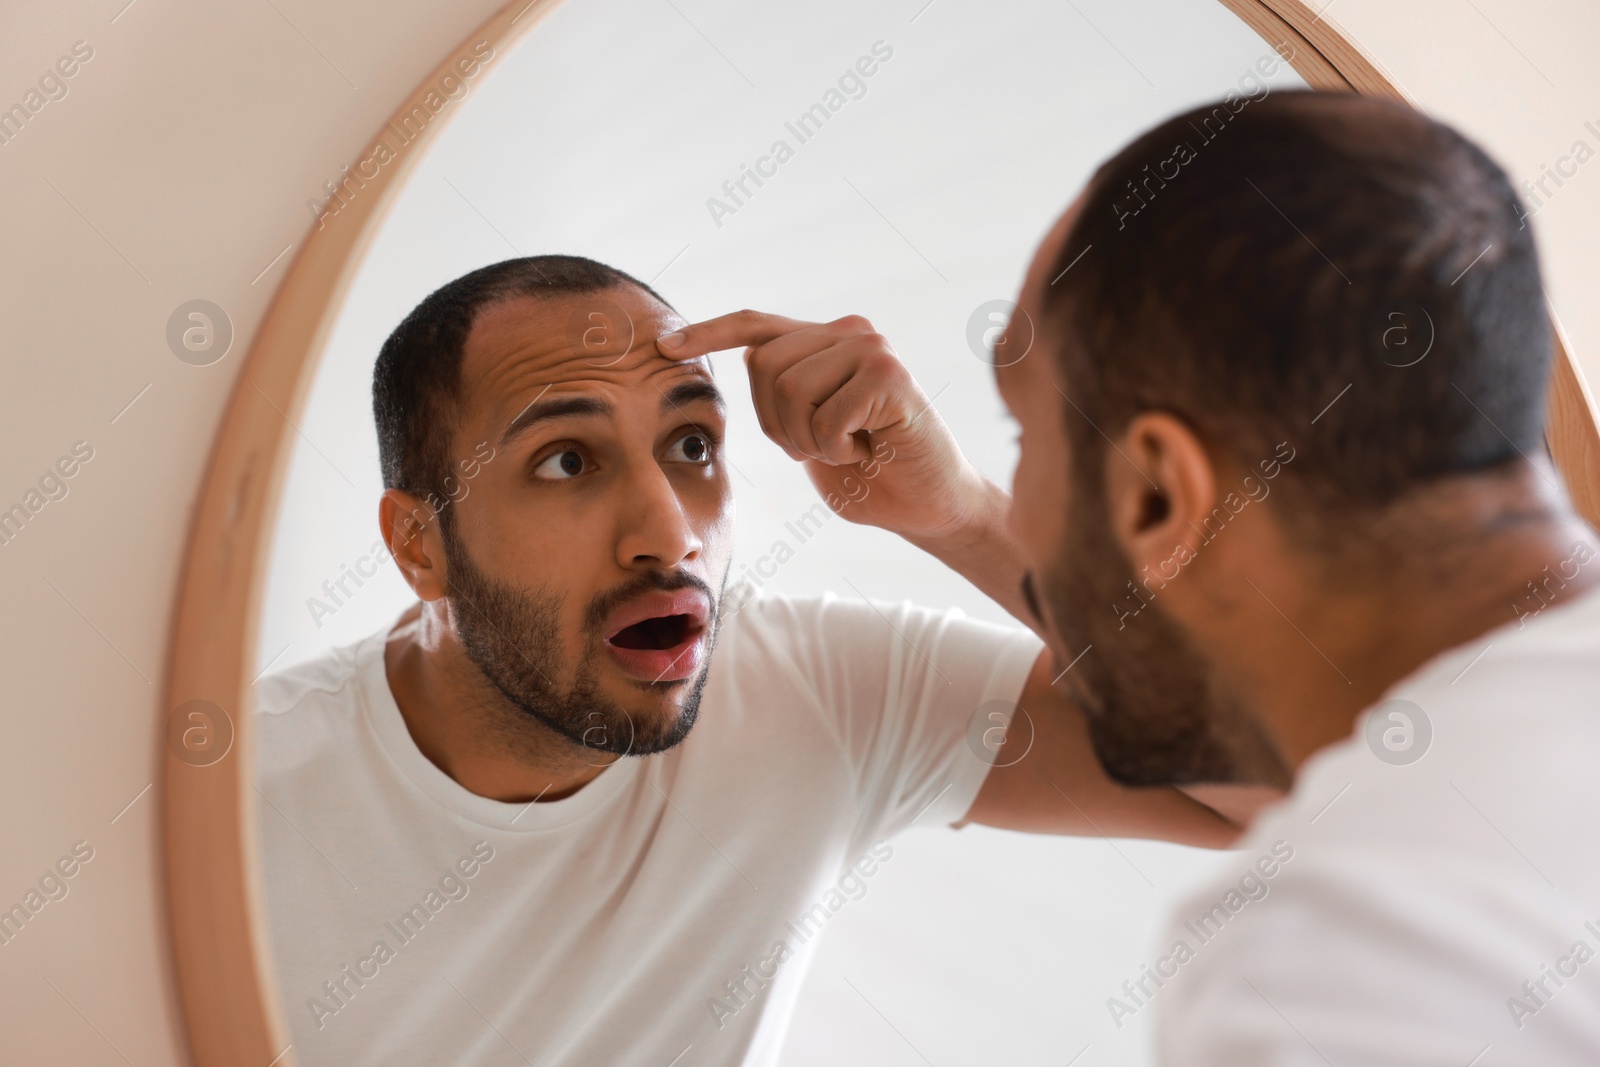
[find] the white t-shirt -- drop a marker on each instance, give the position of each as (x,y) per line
(669,908)
(1388,912)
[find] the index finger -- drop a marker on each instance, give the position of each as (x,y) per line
(738,329)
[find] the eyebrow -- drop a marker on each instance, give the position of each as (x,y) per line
(692,391)
(569,407)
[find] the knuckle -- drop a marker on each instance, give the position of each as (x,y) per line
(854,323)
(870,345)
(880,358)
(785,388)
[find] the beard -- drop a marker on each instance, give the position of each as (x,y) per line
(514,638)
(1154,711)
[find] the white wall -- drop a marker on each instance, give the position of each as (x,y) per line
(177,167)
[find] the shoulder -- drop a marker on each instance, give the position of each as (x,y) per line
(827,637)
(760,628)
(326,673)
(749,610)
(311,683)
(309,709)
(1393,902)
(1545,661)
(1352,941)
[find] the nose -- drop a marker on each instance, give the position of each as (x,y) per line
(656,531)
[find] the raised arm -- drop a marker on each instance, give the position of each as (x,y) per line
(836,398)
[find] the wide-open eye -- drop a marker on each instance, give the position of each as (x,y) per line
(693,447)
(561,466)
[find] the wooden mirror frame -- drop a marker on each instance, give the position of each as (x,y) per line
(219,936)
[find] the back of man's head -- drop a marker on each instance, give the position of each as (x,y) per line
(1334,271)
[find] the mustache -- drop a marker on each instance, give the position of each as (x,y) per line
(601,607)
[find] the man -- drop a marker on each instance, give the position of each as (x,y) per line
(1307,532)
(462,863)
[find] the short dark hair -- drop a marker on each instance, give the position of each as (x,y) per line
(1256,268)
(417,379)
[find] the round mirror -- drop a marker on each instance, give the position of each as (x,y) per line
(339,896)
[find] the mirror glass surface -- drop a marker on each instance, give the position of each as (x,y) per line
(610,132)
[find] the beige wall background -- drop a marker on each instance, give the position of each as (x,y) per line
(176,166)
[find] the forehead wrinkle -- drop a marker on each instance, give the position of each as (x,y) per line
(561,358)
(521,359)
(527,384)
(521,333)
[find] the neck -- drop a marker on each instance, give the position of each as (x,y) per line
(467,728)
(1440,570)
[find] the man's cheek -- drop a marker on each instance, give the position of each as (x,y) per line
(714,520)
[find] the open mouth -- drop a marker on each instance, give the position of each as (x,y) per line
(660,633)
(660,636)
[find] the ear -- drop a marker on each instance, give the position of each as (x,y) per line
(410,528)
(1160,487)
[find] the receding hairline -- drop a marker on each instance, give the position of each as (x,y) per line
(552,344)
(504,434)
(417,381)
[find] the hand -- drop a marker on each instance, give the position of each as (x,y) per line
(835,397)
